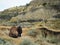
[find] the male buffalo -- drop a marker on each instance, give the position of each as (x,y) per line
(15,32)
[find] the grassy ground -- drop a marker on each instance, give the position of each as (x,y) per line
(30,36)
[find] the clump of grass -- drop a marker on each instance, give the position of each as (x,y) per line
(5,42)
(54,24)
(32,33)
(53,39)
(27,41)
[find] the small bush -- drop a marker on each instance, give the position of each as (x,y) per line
(54,24)
(27,42)
(53,39)
(5,42)
(32,33)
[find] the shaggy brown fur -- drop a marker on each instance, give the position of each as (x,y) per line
(15,31)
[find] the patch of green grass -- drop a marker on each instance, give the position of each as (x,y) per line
(5,42)
(55,24)
(27,42)
(53,39)
(33,33)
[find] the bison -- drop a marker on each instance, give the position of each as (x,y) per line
(15,32)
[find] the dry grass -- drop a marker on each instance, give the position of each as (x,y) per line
(18,40)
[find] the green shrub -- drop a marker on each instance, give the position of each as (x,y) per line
(32,33)
(27,42)
(52,39)
(5,42)
(54,24)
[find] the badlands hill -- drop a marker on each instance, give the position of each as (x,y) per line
(40,21)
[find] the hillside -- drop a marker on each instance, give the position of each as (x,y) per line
(39,8)
(40,22)
(35,11)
